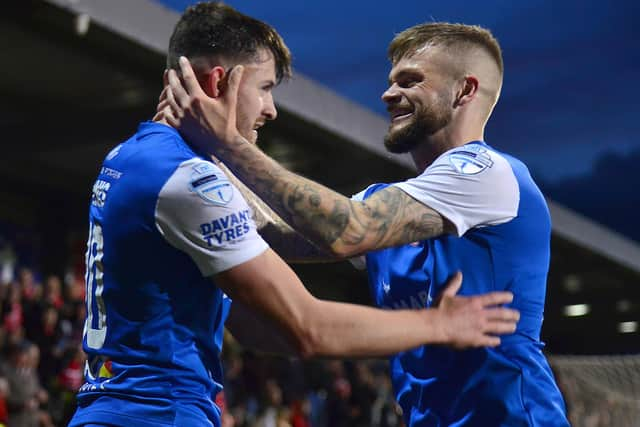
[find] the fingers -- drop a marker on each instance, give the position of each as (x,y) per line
(497,327)
(503,314)
(453,285)
(177,91)
(162,105)
(176,109)
(167,115)
(188,76)
(163,94)
(168,108)
(231,94)
(489,341)
(495,298)
(235,76)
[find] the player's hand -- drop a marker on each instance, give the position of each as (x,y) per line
(476,320)
(207,122)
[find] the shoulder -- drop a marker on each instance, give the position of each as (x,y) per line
(150,157)
(470,185)
(471,159)
(203,179)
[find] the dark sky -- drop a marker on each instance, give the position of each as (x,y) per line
(571,96)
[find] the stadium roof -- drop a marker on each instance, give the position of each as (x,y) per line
(149,23)
(85,72)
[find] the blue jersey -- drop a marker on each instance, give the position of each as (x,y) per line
(502,244)
(162,220)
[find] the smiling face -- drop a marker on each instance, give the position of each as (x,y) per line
(419,99)
(255,98)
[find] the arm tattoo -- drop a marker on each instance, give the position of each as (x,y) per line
(283,239)
(330,220)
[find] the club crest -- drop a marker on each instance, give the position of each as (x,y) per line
(470,159)
(210,184)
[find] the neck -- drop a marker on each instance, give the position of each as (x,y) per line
(445,139)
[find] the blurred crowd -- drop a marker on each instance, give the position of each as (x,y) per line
(41,368)
(41,358)
(269,391)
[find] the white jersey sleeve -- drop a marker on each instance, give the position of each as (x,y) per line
(471,186)
(202,214)
(359,262)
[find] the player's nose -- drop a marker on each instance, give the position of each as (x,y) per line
(391,95)
(270,111)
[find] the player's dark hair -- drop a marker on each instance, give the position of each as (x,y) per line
(458,37)
(214,29)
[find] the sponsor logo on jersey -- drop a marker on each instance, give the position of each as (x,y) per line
(106,370)
(385,287)
(111,173)
(470,159)
(421,300)
(99,193)
(210,184)
(227,228)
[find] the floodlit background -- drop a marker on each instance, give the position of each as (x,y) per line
(79,75)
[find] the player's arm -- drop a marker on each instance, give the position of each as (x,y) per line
(336,224)
(203,215)
(315,327)
(288,243)
(342,227)
(255,331)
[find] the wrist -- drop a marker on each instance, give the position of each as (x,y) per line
(435,326)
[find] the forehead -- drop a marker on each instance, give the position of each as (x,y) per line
(426,60)
(262,67)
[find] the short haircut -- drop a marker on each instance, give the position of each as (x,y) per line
(458,37)
(215,30)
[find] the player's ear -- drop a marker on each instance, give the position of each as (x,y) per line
(214,81)
(467,90)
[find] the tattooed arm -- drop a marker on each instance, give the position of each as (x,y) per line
(333,222)
(283,239)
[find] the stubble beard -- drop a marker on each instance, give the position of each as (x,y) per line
(424,123)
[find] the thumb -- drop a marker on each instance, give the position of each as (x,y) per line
(453,285)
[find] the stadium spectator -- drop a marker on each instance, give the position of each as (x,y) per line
(53,292)
(12,311)
(4,411)
(300,410)
(27,396)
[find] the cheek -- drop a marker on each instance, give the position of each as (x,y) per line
(249,106)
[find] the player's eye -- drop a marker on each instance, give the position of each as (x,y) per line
(407,83)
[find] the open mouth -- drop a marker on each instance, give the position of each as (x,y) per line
(400,114)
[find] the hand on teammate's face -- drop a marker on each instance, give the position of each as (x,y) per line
(204,121)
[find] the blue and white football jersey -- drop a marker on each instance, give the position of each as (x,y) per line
(502,244)
(162,219)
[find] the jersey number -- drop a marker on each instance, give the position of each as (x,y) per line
(95,285)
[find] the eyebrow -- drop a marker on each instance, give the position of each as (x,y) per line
(403,74)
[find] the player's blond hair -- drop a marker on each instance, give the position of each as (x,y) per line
(456,38)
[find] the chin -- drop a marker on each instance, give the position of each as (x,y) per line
(402,139)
